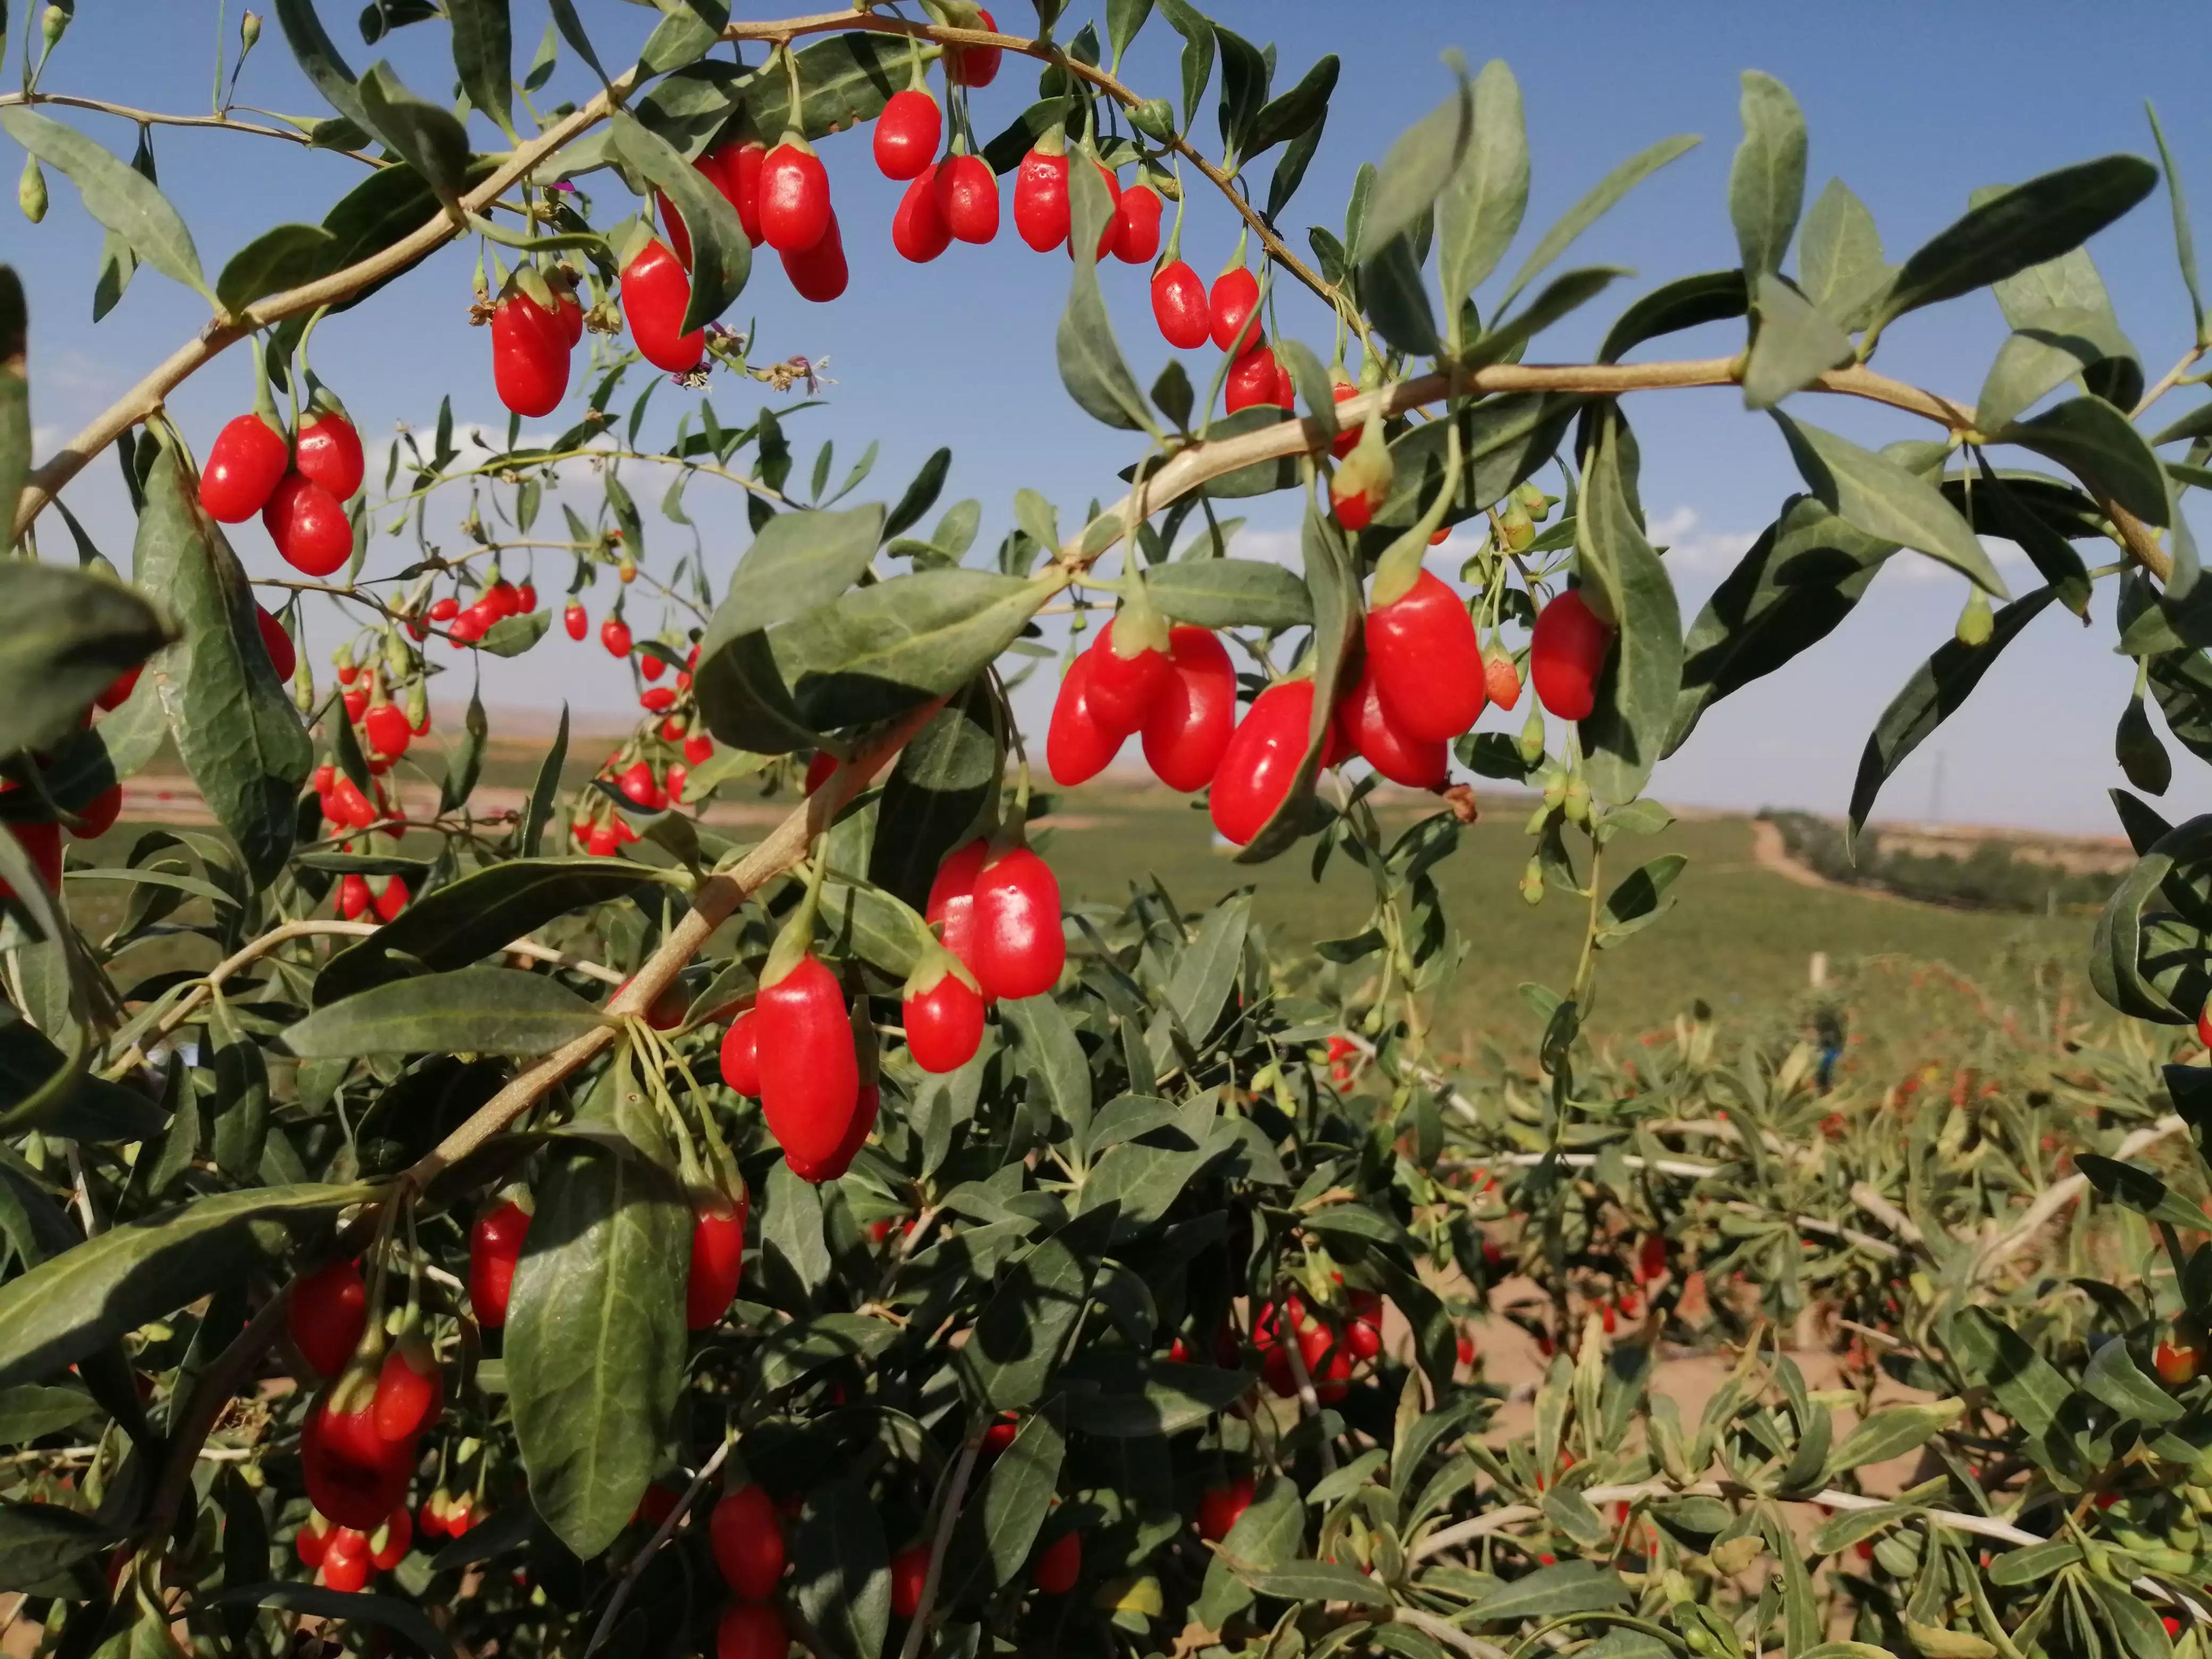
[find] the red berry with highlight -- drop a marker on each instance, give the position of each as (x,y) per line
(908,133)
(746,1535)
(309,526)
(944,1024)
(1261,759)
(244,464)
(794,197)
(655,293)
(1180,305)
(1566,654)
(1426,662)
(1232,311)
(328,452)
(1194,717)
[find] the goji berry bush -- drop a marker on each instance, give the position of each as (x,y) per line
(568,1228)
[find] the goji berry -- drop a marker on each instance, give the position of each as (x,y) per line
(244,466)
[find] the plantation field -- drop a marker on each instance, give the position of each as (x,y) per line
(1742,938)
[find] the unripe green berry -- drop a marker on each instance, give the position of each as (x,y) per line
(249,31)
(1532,735)
(1532,881)
(51,23)
(1154,118)
(1555,789)
(31,194)
(1578,801)
(1975,621)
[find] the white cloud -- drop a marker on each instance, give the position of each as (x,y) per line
(1694,549)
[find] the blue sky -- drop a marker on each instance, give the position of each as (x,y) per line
(1913,105)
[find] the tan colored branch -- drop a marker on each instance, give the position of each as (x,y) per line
(149,118)
(2056,1197)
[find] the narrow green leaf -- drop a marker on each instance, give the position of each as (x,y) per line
(231,717)
(2185,240)
(2015,228)
(1876,494)
(1840,266)
(1795,343)
(1091,366)
(1594,206)
(484,56)
(1766,183)
(721,258)
(281,257)
(1480,208)
(428,137)
(841,1565)
(120,197)
(2099,446)
(1230,593)
(1936,689)
(1420,165)
(491,1010)
(1630,587)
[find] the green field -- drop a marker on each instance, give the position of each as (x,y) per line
(1739,937)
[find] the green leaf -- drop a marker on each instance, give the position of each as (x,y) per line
(2015,228)
(1332,581)
(70,633)
(1397,298)
(1016,1499)
(2050,348)
(1636,697)
(1127,1396)
(841,1567)
(1594,206)
(1877,495)
(1640,900)
(477,916)
(43,1547)
(1040,1297)
(1801,578)
(795,1351)
(1936,689)
(1891,1432)
(1091,366)
(2143,757)
(1561,295)
(1197,52)
(936,794)
(1052,1059)
(1230,593)
(488,1010)
(484,56)
(2139,1189)
(1766,183)
(688,30)
(96,1292)
(798,560)
(1314,1581)
(1271,1531)
(2099,446)
(538,811)
(1480,208)
(1794,344)
(1550,1593)
(1296,113)
(721,258)
(232,718)
(115,193)
(402,1618)
(319,56)
(920,495)
(882,649)
(595,1337)
(2112,1377)
(1419,165)
(281,257)
(30,1411)
(1840,266)
(2051,553)
(2185,242)
(510,636)
(1710,296)
(429,138)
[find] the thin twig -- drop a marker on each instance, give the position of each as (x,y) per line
(955,1494)
(662,1534)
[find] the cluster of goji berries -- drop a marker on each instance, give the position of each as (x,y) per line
(1422,679)
(493,602)
(651,769)
(41,841)
(299,485)
(360,1442)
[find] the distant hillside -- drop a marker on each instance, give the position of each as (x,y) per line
(1959,866)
